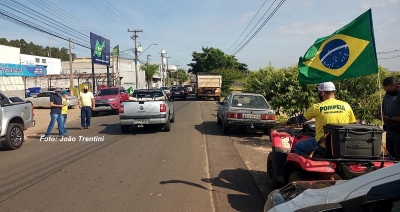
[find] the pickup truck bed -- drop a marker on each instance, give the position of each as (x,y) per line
(149,107)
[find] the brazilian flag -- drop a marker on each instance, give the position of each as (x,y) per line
(115,51)
(349,52)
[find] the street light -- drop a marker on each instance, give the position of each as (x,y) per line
(147,48)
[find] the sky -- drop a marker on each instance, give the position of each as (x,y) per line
(181,27)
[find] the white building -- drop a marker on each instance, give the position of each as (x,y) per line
(11,85)
(52,65)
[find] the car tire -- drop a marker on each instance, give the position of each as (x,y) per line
(94,114)
(184,98)
(14,137)
(275,168)
(167,126)
(219,122)
(125,128)
(225,129)
(173,117)
(267,131)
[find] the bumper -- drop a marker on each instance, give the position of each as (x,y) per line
(177,96)
(145,120)
(250,124)
(209,94)
(103,108)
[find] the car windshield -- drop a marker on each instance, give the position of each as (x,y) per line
(105,92)
(249,101)
(147,94)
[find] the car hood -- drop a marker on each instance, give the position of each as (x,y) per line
(106,97)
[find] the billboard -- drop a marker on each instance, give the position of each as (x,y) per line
(17,70)
(99,49)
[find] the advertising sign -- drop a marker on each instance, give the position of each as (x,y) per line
(99,49)
(17,70)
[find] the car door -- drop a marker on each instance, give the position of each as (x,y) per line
(45,99)
(37,100)
(224,107)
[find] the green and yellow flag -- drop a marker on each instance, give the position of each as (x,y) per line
(349,52)
(130,90)
(115,51)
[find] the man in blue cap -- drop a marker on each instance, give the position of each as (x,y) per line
(55,113)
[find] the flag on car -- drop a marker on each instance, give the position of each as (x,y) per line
(130,91)
(347,53)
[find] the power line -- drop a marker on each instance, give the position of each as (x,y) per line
(389,52)
(259,29)
(67,20)
(129,20)
(111,10)
(387,58)
(248,25)
(15,19)
(99,11)
(36,14)
(253,27)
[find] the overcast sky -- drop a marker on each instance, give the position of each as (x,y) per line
(183,26)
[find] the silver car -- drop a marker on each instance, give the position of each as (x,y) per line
(246,111)
(42,100)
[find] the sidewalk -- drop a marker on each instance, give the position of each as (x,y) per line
(42,120)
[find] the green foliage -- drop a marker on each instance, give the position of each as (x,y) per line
(281,88)
(214,59)
(149,71)
(229,76)
(181,76)
(33,49)
(285,94)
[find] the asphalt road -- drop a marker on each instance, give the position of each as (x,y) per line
(191,168)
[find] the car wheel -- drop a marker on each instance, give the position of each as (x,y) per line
(14,137)
(219,122)
(267,131)
(125,128)
(173,117)
(184,98)
(275,162)
(225,129)
(167,126)
(94,114)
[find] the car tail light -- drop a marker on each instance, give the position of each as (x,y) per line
(163,108)
(357,167)
(268,117)
(121,109)
(234,115)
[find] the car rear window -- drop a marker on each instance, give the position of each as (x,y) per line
(249,101)
(177,89)
(16,99)
(147,94)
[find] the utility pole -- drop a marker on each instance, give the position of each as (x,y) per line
(71,76)
(148,58)
(167,72)
(134,37)
(117,72)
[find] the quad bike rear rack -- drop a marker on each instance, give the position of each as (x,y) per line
(353,159)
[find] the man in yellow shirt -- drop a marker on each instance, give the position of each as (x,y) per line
(86,104)
(64,110)
(328,111)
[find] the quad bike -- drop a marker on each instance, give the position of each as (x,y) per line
(354,151)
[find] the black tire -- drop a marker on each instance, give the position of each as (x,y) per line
(14,137)
(275,169)
(125,128)
(267,131)
(219,122)
(184,98)
(300,175)
(173,117)
(225,129)
(94,114)
(115,112)
(167,126)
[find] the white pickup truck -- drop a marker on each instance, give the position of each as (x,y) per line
(147,107)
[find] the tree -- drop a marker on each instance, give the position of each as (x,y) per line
(149,71)
(33,49)
(181,76)
(214,59)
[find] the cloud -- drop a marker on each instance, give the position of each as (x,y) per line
(308,28)
(381,3)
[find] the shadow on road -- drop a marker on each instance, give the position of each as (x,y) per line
(111,129)
(235,180)
(115,129)
(212,128)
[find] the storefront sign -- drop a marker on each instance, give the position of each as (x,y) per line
(17,70)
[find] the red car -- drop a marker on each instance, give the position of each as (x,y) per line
(109,100)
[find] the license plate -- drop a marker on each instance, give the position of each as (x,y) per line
(176,93)
(141,121)
(252,116)
(286,143)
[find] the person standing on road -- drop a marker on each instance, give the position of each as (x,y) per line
(391,116)
(86,104)
(55,113)
(64,110)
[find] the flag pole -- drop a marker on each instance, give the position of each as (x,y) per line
(380,98)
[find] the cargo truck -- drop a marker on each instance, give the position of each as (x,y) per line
(208,86)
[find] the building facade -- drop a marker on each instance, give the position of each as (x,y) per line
(52,65)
